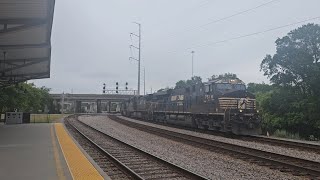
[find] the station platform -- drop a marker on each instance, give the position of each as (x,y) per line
(43,151)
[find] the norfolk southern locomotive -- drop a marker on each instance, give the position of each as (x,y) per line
(220,104)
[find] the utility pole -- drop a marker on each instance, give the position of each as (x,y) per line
(192,52)
(139,49)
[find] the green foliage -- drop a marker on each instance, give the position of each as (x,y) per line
(296,62)
(189,82)
(24,97)
(292,103)
(285,134)
(259,88)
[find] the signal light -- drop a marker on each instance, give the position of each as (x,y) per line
(104,88)
(117,83)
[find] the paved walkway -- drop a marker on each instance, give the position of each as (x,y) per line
(32,151)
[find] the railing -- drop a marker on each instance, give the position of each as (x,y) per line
(234,103)
(122,92)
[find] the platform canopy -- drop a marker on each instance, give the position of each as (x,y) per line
(25,46)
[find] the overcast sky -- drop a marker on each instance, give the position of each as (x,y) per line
(90,40)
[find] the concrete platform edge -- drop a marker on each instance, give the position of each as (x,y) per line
(102,173)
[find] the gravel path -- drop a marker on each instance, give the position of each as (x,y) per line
(206,163)
(260,146)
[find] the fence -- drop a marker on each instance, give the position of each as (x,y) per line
(46,118)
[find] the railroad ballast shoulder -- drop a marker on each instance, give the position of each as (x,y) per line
(220,104)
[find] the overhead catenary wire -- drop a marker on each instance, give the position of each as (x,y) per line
(247,35)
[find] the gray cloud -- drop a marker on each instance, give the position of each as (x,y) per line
(90,40)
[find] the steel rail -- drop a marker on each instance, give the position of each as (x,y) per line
(296,166)
(184,172)
(285,143)
(122,166)
(260,139)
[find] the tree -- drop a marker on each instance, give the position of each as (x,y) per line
(189,82)
(256,88)
(180,84)
(24,97)
(296,62)
(294,70)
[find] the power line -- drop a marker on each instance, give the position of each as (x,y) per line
(187,10)
(238,13)
(247,35)
(223,18)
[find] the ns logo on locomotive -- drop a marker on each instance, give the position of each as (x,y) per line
(220,105)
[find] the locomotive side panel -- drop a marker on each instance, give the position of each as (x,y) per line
(216,106)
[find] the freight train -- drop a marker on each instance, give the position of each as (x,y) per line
(219,105)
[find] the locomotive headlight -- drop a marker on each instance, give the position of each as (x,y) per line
(240,110)
(257,111)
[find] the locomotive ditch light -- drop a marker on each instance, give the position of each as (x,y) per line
(240,110)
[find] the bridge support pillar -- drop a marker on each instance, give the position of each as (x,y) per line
(109,106)
(78,107)
(99,110)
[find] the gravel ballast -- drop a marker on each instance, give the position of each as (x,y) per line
(210,164)
(256,145)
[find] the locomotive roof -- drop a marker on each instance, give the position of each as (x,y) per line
(232,81)
(163,92)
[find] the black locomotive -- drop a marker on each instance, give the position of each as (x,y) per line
(220,104)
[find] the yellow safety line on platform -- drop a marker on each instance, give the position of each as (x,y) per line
(78,164)
(59,168)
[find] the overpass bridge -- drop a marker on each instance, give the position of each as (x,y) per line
(88,103)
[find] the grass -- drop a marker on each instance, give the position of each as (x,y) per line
(285,134)
(46,118)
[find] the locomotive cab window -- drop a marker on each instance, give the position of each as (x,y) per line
(239,87)
(206,88)
(224,86)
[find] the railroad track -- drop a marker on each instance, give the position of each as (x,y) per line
(284,143)
(260,139)
(130,160)
(113,168)
(295,166)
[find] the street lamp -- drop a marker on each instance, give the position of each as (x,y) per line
(192,52)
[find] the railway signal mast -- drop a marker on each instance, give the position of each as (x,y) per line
(139,56)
